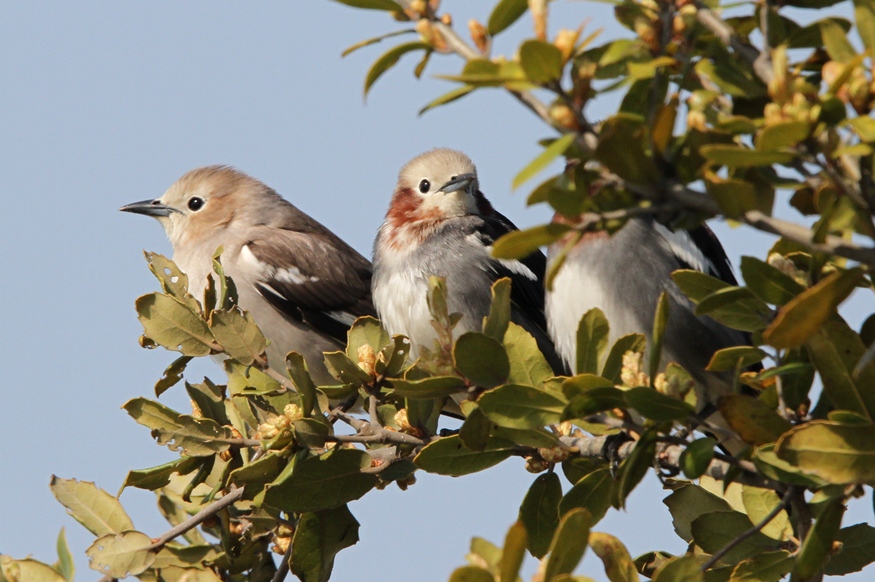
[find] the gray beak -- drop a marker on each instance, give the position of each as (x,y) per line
(149,208)
(460,182)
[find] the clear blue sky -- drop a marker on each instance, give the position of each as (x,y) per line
(104,103)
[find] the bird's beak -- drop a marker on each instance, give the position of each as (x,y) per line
(460,182)
(149,208)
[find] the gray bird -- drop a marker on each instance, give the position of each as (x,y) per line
(439,223)
(302,284)
(624,275)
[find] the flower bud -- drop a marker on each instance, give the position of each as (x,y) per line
(479,35)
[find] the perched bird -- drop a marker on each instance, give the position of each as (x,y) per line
(439,223)
(624,275)
(302,284)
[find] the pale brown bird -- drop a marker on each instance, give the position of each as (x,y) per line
(302,284)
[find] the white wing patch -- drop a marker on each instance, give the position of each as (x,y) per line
(342,316)
(266,272)
(514,266)
(681,245)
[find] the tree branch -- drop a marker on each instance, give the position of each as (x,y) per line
(283,569)
(724,33)
(210,510)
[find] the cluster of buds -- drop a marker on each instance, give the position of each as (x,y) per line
(282,539)
(555,454)
(403,422)
(631,374)
(674,385)
(796,108)
(858,90)
(431,36)
(684,19)
(366,359)
(536,465)
(479,36)
(648,26)
(280,423)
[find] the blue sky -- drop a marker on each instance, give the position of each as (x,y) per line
(104,103)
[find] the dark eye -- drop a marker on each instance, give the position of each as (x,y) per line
(424,186)
(195,203)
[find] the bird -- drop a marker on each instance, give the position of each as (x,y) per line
(439,223)
(302,284)
(624,275)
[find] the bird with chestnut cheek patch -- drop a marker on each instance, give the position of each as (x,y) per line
(440,224)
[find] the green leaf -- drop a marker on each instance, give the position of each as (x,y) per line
(393,357)
(194,437)
(864,15)
(837,453)
(505,13)
(782,135)
(592,339)
(772,467)
(26,570)
(312,432)
(428,388)
(766,567)
(539,512)
(835,351)
(366,331)
(689,502)
(388,60)
(758,504)
(94,508)
(173,280)
(344,369)
(449,456)
(238,334)
(64,565)
(697,456)
(550,153)
(697,285)
(323,482)
(735,197)
(518,406)
(715,530)
(567,547)
(121,555)
(261,471)
(618,563)
(634,467)
(660,321)
(857,552)
(656,406)
(592,493)
(580,384)
(731,76)
(174,325)
(349,50)
(739,157)
(541,61)
(806,313)
(519,244)
(495,324)
(471,574)
(527,364)
(684,569)
(620,149)
(513,553)
(157,477)
(318,538)
(818,544)
(734,311)
(729,359)
(449,97)
(388,5)
(172,375)
(633,342)
(755,421)
(475,430)
(296,367)
(593,401)
(768,283)
(836,41)
(481,359)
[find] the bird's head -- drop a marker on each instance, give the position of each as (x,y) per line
(434,186)
(203,202)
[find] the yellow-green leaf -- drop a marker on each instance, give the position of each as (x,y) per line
(550,153)
(388,60)
(805,314)
(174,325)
(121,555)
(837,453)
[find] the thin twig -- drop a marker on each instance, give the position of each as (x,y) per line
(724,33)
(785,501)
(212,509)
(283,569)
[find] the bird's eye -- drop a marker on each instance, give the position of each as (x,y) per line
(424,186)
(195,203)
